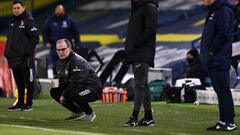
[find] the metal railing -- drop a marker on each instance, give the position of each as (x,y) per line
(196,43)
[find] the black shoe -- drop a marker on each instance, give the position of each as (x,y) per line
(15,108)
(75,116)
(132,122)
(144,122)
(27,108)
(223,126)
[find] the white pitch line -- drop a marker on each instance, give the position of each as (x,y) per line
(23,118)
(42,120)
(138,130)
(51,130)
(172,133)
(4,116)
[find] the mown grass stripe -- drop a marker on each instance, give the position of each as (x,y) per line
(51,130)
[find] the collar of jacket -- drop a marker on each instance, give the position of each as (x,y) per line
(237,7)
(138,3)
(59,18)
(20,17)
(68,58)
(238,4)
(219,3)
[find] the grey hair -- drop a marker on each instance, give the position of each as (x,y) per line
(64,40)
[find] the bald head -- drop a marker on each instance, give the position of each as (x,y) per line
(234,2)
(59,10)
(208,2)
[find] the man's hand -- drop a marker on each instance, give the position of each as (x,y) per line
(210,53)
(62,100)
(2,59)
(52,84)
(48,45)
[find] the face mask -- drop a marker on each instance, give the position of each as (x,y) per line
(190,60)
(59,16)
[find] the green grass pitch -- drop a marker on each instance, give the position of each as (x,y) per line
(171,119)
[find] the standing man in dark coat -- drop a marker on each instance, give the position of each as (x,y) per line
(59,26)
(216,53)
(140,49)
(22,38)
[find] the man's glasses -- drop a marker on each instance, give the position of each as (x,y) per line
(16,8)
(63,49)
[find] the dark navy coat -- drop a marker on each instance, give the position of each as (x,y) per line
(141,35)
(216,42)
(56,28)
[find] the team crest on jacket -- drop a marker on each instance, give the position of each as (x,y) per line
(66,72)
(211,17)
(33,28)
(22,26)
(76,69)
(64,25)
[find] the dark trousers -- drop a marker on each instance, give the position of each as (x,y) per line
(24,79)
(52,59)
(76,100)
(141,91)
(220,81)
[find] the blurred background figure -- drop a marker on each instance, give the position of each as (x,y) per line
(236,59)
(236,5)
(22,38)
(59,26)
(194,69)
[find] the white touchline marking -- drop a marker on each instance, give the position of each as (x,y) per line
(42,120)
(23,118)
(172,133)
(52,130)
(137,130)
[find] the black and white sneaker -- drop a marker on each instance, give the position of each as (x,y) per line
(231,127)
(27,108)
(223,126)
(144,122)
(132,122)
(76,116)
(15,108)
